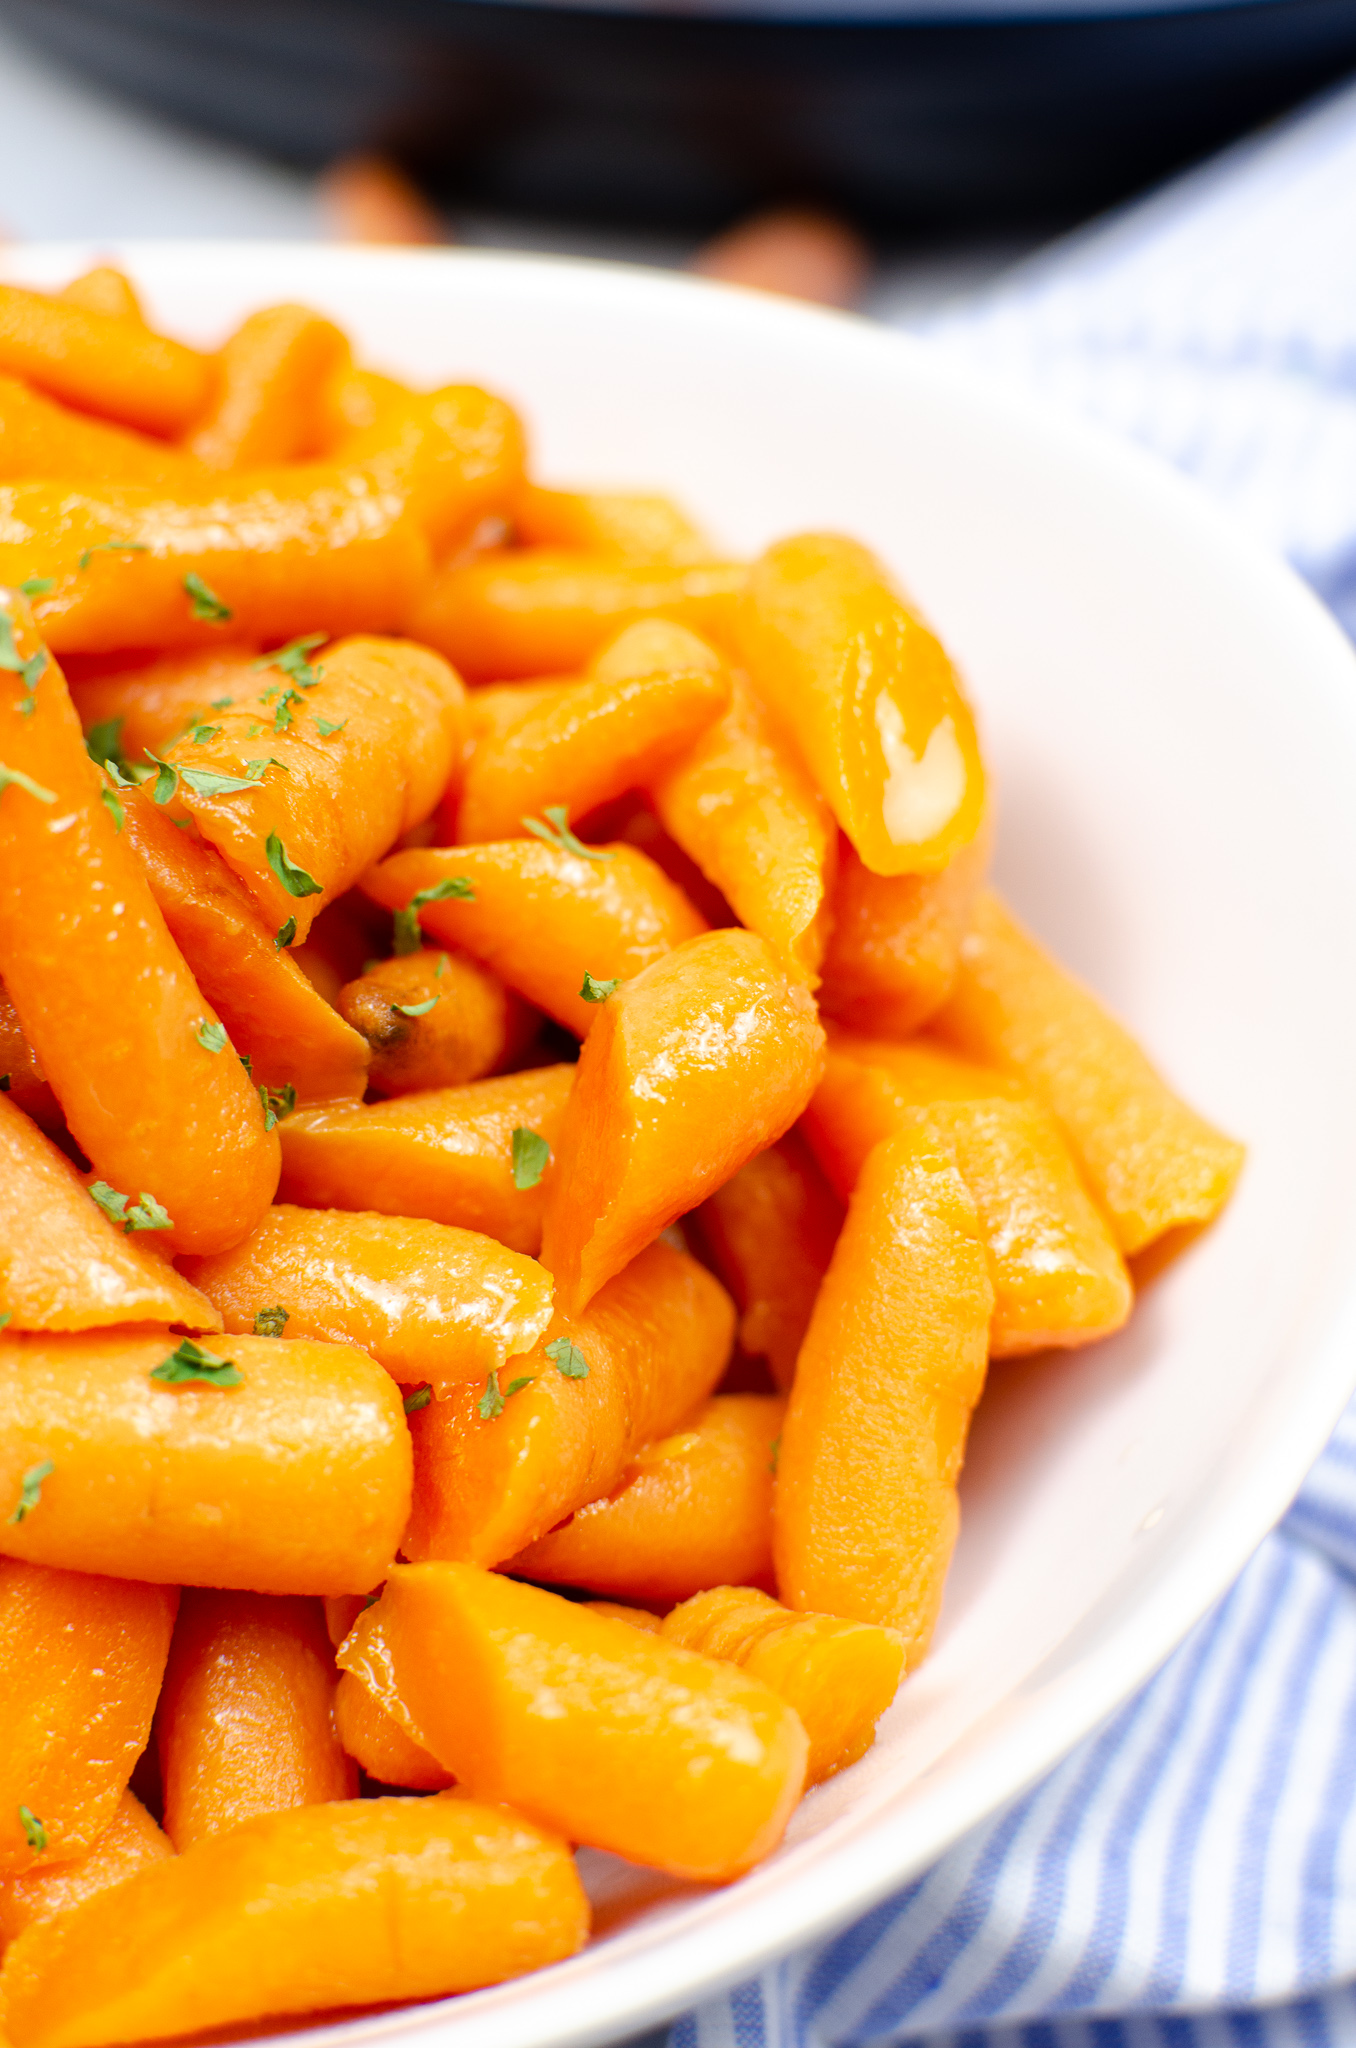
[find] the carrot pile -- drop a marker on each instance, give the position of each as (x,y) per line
(511,1078)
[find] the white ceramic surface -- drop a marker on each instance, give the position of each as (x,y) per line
(1172,721)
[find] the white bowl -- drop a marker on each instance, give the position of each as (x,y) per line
(1172,720)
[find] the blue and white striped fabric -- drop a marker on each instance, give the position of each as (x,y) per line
(1187,1878)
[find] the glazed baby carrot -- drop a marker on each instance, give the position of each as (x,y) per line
(740,803)
(895,944)
(297,1045)
(499,1465)
(152,703)
(379,1744)
(693,1510)
(544,611)
(542,913)
(81,1660)
(891,1367)
(459,452)
(352,401)
(131,1842)
(212,1465)
(307,781)
(839,1676)
(64,1265)
(871,699)
(633,524)
(354,1903)
(104,290)
(101,990)
(431,1303)
(1152,1162)
(701,1061)
(1057,1275)
(669,1758)
(268,375)
(243,1726)
(433,1019)
(102,362)
(448,1155)
(770,1233)
(590,741)
(39,437)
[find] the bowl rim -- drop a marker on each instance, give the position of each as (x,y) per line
(819,1885)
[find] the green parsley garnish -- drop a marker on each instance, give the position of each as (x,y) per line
(167,779)
(516,1386)
(295,880)
(598,991)
(26,782)
(277,1103)
(103,742)
(531,1155)
(28,671)
(774,1455)
(420,1398)
(292,660)
(284,935)
(145,1214)
(328,727)
(210,1035)
(491,1402)
(189,1362)
(206,781)
(269,1322)
(112,547)
(201,734)
(568,1359)
(415,1009)
(206,604)
(556,832)
(282,717)
(37,586)
(35,1834)
(8,1317)
(222,703)
(112,803)
(408,935)
(30,1490)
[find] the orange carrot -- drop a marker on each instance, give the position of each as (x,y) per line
(542,914)
(896,940)
(701,1061)
(495,1468)
(102,362)
(243,1726)
(693,1510)
(64,1265)
(303,785)
(447,1155)
(267,379)
(544,611)
(361,1902)
(871,699)
(632,524)
(122,1452)
(168,1118)
(41,438)
(770,1233)
(81,1660)
(153,703)
(376,1741)
(431,1303)
(295,1042)
(131,1842)
(891,1367)
(104,290)
(433,1019)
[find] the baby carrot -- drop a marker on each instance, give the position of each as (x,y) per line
(448,1154)
(544,611)
(102,362)
(104,290)
(81,1660)
(431,1303)
(131,1842)
(152,703)
(102,991)
(268,374)
(1152,1162)
(433,1019)
(243,1726)
(303,783)
(633,524)
(65,1265)
(497,1466)
(871,699)
(41,438)
(130,1454)
(895,944)
(376,1741)
(542,913)
(701,1061)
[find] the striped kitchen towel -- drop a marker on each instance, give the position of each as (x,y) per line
(1187,1877)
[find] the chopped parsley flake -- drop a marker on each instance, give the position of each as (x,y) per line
(112,803)
(270,1322)
(112,547)
(27,671)
(35,1834)
(37,586)
(25,782)
(189,1362)
(568,1359)
(211,1036)
(145,1214)
(417,1399)
(293,662)
(415,1009)
(206,604)
(284,935)
(328,727)
(277,1103)
(531,1155)
(30,1490)
(598,991)
(556,832)
(409,936)
(103,742)
(295,880)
